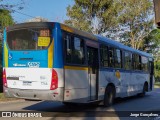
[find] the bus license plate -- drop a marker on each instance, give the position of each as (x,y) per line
(27,83)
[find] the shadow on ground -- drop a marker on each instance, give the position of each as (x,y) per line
(57,109)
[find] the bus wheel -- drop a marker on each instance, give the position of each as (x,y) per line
(145,87)
(109,96)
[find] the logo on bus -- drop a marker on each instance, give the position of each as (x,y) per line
(34,64)
(10,56)
(118,75)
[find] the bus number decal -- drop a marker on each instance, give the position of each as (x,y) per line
(34,64)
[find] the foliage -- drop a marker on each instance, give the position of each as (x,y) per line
(77,12)
(152,43)
(95,16)
(136,17)
(5,18)
(127,20)
(157,71)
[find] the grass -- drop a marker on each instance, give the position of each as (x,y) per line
(157,85)
(3,98)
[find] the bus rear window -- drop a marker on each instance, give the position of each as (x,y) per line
(29,39)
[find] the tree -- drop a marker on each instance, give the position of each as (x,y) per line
(136,17)
(157,71)
(78,18)
(6,8)
(128,20)
(95,16)
(151,43)
(5,18)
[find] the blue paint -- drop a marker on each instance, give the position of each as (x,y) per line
(3,42)
(24,57)
(27,63)
(58,53)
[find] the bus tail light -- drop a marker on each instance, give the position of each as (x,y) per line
(4,78)
(54,80)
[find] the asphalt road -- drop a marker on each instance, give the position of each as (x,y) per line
(119,111)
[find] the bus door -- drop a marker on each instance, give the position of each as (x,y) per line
(151,71)
(93,65)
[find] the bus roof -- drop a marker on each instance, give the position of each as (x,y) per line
(78,32)
(122,46)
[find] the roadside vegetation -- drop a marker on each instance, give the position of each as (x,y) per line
(157,85)
(3,98)
(157,73)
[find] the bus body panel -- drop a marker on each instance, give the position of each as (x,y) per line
(109,76)
(33,83)
(29,78)
(35,94)
(137,81)
(76,84)
(29,59)
(60,73)
(129,83)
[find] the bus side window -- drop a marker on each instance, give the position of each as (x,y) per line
(78,51)
(74,49)
(68,50)
(111,57)
(118,58)
(104,55)
(145,63)
(127,60)
(136,62)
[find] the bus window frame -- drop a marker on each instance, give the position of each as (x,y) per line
(121,57)
(85,64)
(100,48)
(52,38)
(113,47)
(131,60)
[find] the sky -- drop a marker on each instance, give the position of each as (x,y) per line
(53,10)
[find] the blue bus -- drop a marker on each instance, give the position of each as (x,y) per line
(52,61)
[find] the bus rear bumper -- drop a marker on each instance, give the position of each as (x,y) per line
(55,95)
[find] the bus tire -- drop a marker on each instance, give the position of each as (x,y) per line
(145,87)
(109,96)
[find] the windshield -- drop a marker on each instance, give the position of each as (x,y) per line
(29,39)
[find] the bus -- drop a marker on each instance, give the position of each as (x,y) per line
(52,61)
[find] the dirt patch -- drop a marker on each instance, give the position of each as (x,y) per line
(3,98)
